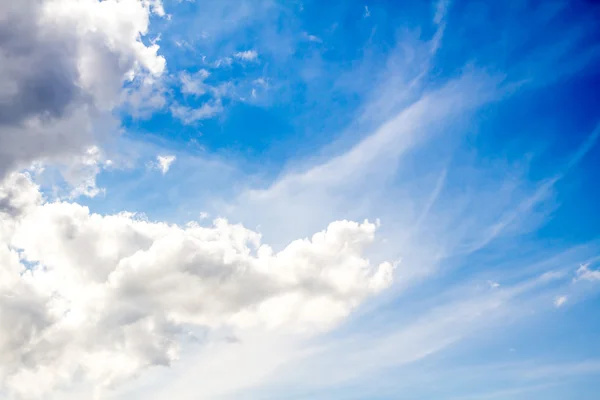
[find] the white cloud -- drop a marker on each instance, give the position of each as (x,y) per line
(142,97)
(194,84)
(493,285)
(346,184)
(81,173)
(164,163)
(248,55)
(441,9)
(560,301)
(261,82)
(189,116)
(101,298)
(74,175)
(367,13)
(585,273)
(357,356)
(313,38)
(223,62)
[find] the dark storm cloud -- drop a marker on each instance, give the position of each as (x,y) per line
(39,91)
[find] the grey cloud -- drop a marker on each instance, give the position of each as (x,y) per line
(38,71)
(38,82)
(61,71)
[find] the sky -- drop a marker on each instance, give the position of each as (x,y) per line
(261,199)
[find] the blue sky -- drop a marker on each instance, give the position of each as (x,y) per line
(466,131)
(335,72)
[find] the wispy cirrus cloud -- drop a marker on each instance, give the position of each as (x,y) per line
(585,273)
(189,115)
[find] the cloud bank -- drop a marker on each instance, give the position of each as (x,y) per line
(99,298)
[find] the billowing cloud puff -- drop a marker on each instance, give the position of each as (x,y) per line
(62,67)
(99,298)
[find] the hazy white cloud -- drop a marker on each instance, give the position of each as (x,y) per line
(248,55)
(189,115)
(441,9)
(560,301)
(367,13)
(164,163)
(223,62)
(312,38)
(261,82)
(144,96)
(80,174)
(194,84)
(493,285)
(354,357)
(305,197)
(587,274)
(103,297)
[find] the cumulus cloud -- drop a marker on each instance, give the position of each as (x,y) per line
(62,66)
(560,301)
(164,163)
(248,55)
(100,298)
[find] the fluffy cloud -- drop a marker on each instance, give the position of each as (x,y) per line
(100,298)
(62,66)
(163,163)
(194,84)
(560,301)
(248,55)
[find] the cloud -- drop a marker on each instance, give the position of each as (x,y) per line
(587,274)
(560,301)
(248,55)
(313,38)
(367,13)
(101,298)
(441,9)
(62,65)
(142,97)
(363,354)
(189,116)
(81,171)
(347,183)
(194,84)
(223,62)
(164,163)
(493,285)
(96,299)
